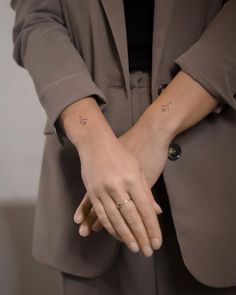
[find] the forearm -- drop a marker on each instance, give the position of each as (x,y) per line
(85,125)
(180,106)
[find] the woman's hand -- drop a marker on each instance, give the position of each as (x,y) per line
(110,173)
(183,104)
(86,215)
(146,149)
(151,151)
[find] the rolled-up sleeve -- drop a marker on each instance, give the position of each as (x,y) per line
(42,45)
(211,61)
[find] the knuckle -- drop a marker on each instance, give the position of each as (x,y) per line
(112,185)
(90,193)
(130,179)
(95,189)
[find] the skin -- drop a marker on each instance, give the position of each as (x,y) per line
(103,157)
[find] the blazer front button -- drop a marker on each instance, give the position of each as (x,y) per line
(161,88)
(174,151)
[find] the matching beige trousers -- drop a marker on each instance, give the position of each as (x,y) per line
(164,273)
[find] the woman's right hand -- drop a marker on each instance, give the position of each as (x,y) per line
(112,173)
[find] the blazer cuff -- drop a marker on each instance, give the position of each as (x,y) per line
(215,84)
(60,94)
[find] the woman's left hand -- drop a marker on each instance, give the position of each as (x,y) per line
(151,151)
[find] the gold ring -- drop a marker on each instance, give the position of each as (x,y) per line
(119,203)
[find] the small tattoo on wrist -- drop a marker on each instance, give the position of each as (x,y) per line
(165,107)
(83,121)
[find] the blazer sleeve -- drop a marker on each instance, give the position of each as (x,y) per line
(42,45)
(211,61)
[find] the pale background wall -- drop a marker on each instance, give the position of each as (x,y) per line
(21,141)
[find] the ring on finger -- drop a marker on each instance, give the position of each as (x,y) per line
(120,203)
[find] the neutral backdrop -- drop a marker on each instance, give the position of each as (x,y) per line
(21,142)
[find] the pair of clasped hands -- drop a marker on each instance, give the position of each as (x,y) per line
(115,169)
(124,168)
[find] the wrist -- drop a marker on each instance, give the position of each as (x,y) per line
(97,138)
(85,125)
(180,106)
(160,126)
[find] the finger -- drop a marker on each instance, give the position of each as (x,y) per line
(86,226)
(102,216)
(157,209)
(83,209)
(127,222)
(118,221)
(156,206)
(139,193)
(91,222)
(131,216)
(155,244)
(97,226)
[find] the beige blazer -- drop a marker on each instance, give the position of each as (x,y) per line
(77,48)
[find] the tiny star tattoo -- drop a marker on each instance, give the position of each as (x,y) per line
(165,107)
(83,121)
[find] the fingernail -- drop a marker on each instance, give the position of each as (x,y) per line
(94,227)
(78,218)
(156,243)
(134,247)
(158,208)
(147,251)
(83,230)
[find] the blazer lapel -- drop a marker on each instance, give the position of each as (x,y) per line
(162,17)
(116,18)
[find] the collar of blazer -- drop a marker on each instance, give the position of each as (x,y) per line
(162,17)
